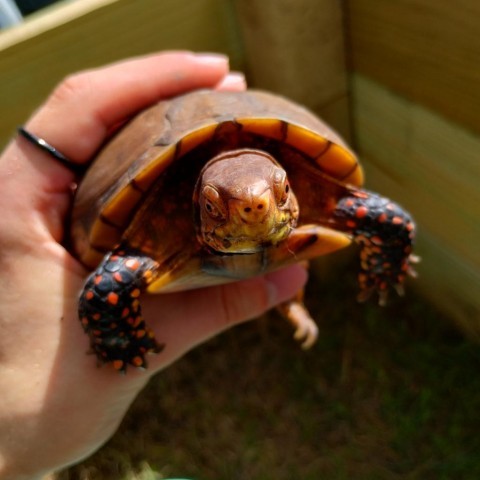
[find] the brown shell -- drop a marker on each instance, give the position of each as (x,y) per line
(126,168)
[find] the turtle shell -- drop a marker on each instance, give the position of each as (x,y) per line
(170,131)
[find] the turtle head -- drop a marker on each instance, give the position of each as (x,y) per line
(244,202)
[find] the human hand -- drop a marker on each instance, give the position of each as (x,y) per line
(56,407)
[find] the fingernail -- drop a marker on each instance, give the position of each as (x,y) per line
(233,81)
(212,59)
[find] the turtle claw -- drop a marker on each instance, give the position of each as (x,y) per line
(400,289)
(306,334)
(382,298)
(306,330)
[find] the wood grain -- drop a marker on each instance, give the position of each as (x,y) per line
(296,48)
(426,50)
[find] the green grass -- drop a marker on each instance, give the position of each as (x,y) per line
(387,393)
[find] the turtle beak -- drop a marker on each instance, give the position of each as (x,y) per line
(254,211)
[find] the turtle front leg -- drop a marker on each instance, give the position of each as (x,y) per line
(110,313)
(386,234)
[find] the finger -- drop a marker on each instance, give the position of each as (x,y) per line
(76,119)
(186,319)
(83,108)
(233,82)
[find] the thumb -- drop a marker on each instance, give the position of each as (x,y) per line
(190,318)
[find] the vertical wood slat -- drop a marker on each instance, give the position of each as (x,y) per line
(427,50)
(296,48)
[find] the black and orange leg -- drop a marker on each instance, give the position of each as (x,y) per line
(110,313)
(386,234)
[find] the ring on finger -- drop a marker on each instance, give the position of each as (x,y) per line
(51,150)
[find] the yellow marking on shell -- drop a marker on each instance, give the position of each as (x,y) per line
(356,177)
(118,209)
(196,138)
(188,142)
(305,140)
(150,173)
(158,284)
(266,127)
(337,161)
(103,235)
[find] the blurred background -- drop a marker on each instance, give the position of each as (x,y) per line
(386,393)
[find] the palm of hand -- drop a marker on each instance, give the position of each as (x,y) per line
(56,407)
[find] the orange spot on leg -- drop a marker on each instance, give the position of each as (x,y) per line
(112,298)
(117,364)
(132,264)
(137,361)
(382,218)
(361,212)
(350,224)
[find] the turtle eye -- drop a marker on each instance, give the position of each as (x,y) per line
(281,187)
(212,203)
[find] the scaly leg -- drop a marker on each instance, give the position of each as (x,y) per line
(110,313)
(304,243)
(386,234)
(294,310)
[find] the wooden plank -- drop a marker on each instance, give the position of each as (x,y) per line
(427,50)
(432,167)
(296,48)
(76,35)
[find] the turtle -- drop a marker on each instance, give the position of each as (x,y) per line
(211,187)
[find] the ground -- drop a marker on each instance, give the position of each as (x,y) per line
(387,393)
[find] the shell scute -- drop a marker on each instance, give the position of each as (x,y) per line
(306,141)
(337,162)
(125,172)
(272,128)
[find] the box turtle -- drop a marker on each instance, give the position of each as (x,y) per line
(210,187)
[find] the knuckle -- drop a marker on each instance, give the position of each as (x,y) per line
(71,87)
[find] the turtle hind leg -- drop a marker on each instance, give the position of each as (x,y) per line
(294,310)
(110,312)
(304,243)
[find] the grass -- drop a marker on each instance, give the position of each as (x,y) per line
(386,393)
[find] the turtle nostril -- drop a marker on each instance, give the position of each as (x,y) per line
(247,209)
(260,206)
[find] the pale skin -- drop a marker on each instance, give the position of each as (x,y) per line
(56,406)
